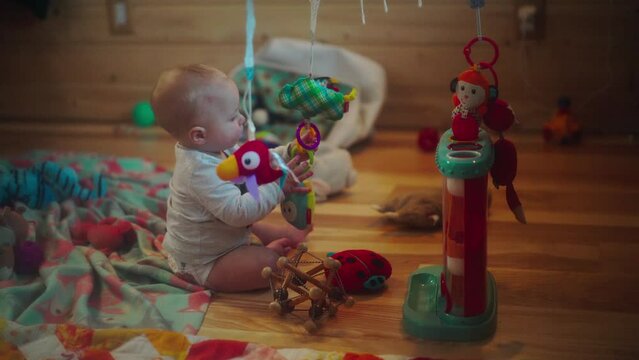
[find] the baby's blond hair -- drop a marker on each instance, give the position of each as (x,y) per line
(177,93)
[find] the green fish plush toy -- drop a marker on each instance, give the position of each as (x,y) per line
(313,97)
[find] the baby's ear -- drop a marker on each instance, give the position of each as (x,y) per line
(197,135)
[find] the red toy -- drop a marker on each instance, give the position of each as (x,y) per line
(500,116)
(108,235)
(471,95)
(251,163)
(428,139)
(476,100)
(362,270)
(503,172)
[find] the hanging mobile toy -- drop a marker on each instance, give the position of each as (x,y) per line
(476,100)
(472,94)
(314,97)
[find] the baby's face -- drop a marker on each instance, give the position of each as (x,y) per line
(222,118)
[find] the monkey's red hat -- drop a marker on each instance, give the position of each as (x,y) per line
(474,77)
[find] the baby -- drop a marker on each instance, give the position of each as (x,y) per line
(209,221)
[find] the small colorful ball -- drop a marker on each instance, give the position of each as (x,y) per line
(143,115)
(428,139)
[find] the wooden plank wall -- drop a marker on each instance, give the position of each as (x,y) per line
(70,68)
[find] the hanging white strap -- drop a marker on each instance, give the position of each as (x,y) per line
(249,66)
(477,5)
(478,18)
(361,4)
(385,6)
(314,10)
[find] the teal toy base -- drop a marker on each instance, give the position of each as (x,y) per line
(424,310)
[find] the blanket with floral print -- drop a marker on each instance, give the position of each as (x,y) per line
(131,287)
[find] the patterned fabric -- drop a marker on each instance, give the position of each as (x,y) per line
(312,99)
(132,287)
(77,342)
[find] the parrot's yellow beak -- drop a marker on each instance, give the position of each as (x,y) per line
(228,170)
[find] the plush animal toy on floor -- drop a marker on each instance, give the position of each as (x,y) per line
(65,183)
(45,183)
(27,186)
(419,210)
(362,270)
(415,210)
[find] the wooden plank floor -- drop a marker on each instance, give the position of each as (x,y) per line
(568,282)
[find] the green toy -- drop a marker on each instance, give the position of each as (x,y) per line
(143,115)
(313,97)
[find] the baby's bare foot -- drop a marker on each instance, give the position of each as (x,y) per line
(281,246)
(299,236)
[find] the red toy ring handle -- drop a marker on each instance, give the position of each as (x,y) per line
(483,65)
(298,134)
(467,50)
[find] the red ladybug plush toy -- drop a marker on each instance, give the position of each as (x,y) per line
(362,270)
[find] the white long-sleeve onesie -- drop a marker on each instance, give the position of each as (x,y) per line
(208,217)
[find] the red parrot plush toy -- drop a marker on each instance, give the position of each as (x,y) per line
(251,163)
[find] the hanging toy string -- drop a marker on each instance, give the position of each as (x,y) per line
(249,67)
(477,5)
(361,5)
(478,17)
(287,171)
(385,7)
(314,10)
(419,3)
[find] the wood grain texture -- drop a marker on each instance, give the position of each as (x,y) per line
(568,283)
(70,66)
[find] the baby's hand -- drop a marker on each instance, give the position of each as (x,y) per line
(300,169)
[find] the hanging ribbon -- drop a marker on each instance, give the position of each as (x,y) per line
(249,67)
(477,4)
(314,10)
